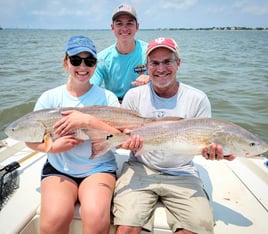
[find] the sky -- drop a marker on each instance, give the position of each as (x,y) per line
(96,14)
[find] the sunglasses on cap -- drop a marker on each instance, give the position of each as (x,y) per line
(76,61)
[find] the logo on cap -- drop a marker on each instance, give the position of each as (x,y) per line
(162,42)
(124,7)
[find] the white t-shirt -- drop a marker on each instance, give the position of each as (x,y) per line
(188,102)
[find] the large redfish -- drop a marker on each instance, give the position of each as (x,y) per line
(186,137)
(37,126)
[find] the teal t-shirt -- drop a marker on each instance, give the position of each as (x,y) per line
(116,71)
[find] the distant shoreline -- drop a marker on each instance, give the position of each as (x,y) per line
(165,29)
(215,28)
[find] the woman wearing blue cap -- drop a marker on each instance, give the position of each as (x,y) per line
(69,175)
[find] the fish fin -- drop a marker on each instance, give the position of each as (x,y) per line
(3,143)
(139,152)
(219,137)
(81,134)
(48,142)
(169,118)
(97,135)
(153,122)
(259,156)
(159,120)
(100,148)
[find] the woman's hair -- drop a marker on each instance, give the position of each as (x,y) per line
(65,58)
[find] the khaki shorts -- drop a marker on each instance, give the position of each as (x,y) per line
(139,188)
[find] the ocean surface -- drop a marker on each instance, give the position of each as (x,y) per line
(230,66)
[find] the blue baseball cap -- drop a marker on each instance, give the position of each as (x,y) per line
(78,44)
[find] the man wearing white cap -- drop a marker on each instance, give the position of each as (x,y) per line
(159,175)
(122,65)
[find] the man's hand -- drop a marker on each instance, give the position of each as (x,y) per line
(215,152)
(133,143)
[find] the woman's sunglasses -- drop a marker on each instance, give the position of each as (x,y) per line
(76,61)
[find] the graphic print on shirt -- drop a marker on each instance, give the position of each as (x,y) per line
(140,69)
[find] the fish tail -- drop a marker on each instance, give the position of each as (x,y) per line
(103,141)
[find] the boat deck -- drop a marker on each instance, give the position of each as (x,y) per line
(238,191)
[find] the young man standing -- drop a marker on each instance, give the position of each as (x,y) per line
(122,63)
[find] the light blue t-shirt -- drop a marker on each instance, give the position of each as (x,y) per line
(76,162)
(117,71)
(188,102)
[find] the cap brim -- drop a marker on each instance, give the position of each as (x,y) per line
(75,51)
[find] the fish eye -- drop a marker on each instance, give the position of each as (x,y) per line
(252,144)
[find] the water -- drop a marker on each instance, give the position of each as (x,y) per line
(230,66)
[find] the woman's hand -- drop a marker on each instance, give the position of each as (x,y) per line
(59,145)
(73,120)
(64,143)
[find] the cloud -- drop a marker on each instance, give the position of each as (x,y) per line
(70,14)
(165,8)
(60,12)
(259,7)
(74,14)
(256,10)
(178,4)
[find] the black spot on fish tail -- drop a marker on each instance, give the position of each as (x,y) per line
(110,136)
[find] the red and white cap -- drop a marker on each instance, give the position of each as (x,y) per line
(165,42)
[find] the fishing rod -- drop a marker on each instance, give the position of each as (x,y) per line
(9,178)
